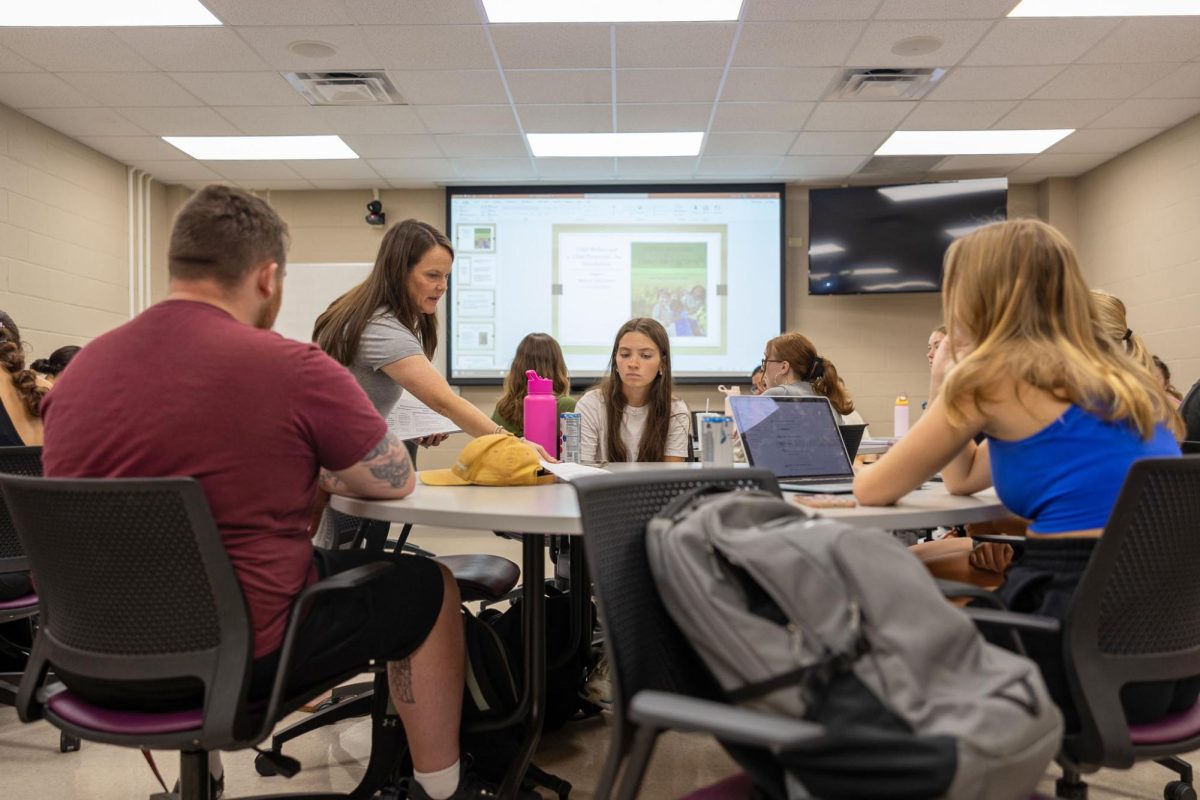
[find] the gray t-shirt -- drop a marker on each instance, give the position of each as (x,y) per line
(384,340)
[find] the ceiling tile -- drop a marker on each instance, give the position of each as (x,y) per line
(653,117)
(74,49)
(369,119)
(778,85)
(133,89)
(86,121)
(449,87)
(181,121)
(393,168)
(240,88)
(295,185)
(170,171)
(566,118)
(769,10)
(859,116)
(458,146)
(674,44)
(576,168)
(747,144)
(761,116)
(814,167)
(849,143)
(1147,113)
(133,148)
(959,115)
(251,170)
(191,49)
(493,168)
(796,44)
(409,184)
(417,47)
(388,146)
(1148,39)
(1183,82)
(559,85)
(269,12)
(1089,81)
(467,119)
(332,169)
(989,165)
(667,85)
(279,121)
(992,83)
(1109,140)
(552,46)
(414,12)
(40,90)
(271,42)
(1038,41)
(944,9)
(737,166)
(1058,164)
(666,167)
(11,62)
(874,49)
(1040,114)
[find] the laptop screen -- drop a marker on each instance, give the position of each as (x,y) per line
(793,436)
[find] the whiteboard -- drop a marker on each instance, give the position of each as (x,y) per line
(309,288)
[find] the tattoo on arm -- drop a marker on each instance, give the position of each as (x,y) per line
(331,482)
(388,461)
(400,673)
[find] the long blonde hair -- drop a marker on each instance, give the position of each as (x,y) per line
(1110,316)
(1013,290)
(538,352)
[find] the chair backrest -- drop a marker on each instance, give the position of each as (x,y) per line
(15,461)
(1136,614)
(134,584)
(645,648)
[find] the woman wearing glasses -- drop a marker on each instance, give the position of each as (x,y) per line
(791,366)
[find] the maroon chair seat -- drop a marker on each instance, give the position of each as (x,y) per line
(1171,728)
(71,708)
(735,787)
(482,577)
(27,601)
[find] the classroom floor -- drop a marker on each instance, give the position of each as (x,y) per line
(32,768)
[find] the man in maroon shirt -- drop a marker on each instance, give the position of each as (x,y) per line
(199,386)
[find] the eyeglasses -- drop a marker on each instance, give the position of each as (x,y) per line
(765,361)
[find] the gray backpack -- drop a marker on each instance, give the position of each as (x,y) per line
(840,625)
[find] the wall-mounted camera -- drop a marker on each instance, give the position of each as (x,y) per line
(375,215)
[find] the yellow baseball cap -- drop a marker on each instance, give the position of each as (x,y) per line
(498,459)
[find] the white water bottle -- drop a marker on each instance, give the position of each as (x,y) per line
(900,416)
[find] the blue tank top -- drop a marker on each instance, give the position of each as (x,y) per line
(1066,477)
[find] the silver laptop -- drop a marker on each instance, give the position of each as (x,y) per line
(796,438)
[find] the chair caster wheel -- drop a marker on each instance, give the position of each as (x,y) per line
(263,766)
(1178,790)
(68,743)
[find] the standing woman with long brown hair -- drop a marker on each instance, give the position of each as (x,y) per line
(633,414)
(385,329)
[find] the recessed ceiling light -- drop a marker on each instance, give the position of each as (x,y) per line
(1106,8)
(928,191)
(917,46)
(307,48)
(970,143)
(612,10)
(109,13)
(261,148)
(614,145)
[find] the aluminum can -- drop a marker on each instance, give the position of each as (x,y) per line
(570,431)
(716,441)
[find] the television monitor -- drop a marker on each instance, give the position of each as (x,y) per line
(873,239)
(578,262)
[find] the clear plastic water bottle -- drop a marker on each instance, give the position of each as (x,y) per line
(541,412)
(900,416)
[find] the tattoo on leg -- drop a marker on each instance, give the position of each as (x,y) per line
(401,680)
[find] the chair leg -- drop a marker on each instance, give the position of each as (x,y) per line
(608,775)
(1177,765)
(1071,786)
(194,781)
(639,759)
(357,706)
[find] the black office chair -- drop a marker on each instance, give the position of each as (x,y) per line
(135,585)
(1135,617)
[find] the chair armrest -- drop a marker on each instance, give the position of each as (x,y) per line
(729,723)
(1026,623)
(953,589)
(998,538)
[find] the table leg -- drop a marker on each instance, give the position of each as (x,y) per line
(533,575)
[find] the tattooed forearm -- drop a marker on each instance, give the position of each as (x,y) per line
(388,462)
(400,674)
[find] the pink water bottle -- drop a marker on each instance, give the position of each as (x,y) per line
(541,412)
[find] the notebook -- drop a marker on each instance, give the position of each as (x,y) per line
(797,438)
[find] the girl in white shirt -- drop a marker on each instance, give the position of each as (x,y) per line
(632,415)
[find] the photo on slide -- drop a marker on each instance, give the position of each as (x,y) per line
(476,238)
(669,282)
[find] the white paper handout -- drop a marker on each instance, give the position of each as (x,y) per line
(569,471)
(412,419)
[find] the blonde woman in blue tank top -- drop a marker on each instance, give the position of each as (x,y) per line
(1064,414)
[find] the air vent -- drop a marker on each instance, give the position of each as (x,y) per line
(898,166)
(885,84)
(361,88)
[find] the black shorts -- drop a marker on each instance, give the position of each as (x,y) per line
(388,618)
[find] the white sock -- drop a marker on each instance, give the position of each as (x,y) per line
(214,764)
(441,784)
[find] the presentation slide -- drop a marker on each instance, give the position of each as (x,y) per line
(704,261)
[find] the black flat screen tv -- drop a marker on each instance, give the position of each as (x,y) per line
(873,239)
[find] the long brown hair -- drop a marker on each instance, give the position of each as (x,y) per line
(801,355)
(12,358)
(340,327)
(1110,316)
(1014,292)
(653,444)
(539,352)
